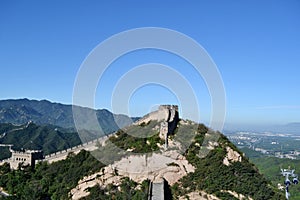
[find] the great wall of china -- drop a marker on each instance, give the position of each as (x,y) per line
(167,114)
(89,146)
(27,157)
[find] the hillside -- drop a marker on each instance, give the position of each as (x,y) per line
(21,111)
(270,167)
(224,173)
(47,181)
(31,136)
(193,162)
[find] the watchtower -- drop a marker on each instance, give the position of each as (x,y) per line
(168,117)
(26,157)
(169,124)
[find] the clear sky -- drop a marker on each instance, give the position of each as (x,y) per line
(255,45)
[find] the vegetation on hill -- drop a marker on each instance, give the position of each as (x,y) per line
(127,190)
(212,176)
(31,136)
(270,167)
(129,141)
(55,181)
(139,139)
(48,181)
(249,153)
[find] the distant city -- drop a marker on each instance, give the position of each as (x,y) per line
(267,143)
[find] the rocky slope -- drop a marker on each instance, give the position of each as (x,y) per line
(199,163)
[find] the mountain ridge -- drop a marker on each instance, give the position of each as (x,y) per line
(42,112)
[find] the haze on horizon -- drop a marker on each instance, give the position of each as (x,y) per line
(255,46)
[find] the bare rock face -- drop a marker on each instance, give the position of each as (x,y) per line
(170,166)
(232,156)
(199,195)
(106,176)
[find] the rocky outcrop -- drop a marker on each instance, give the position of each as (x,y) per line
(169,165)
(199,195)
(231,156)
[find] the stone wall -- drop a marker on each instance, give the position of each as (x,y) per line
(31,157)
(89,146)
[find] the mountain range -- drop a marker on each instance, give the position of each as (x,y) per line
(43,112)
(47,126)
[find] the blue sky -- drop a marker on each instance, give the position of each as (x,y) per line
(255,45)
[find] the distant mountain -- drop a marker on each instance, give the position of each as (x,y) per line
(291,128)
(48,138)
(21,111)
